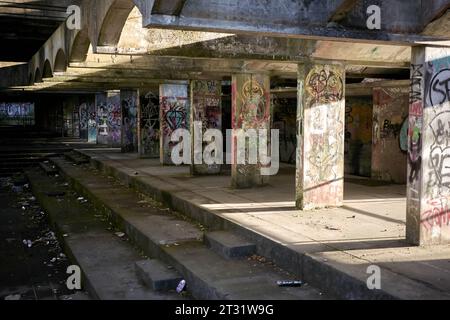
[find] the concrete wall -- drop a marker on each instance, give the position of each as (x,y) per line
(358,136)
(390,112)
(435,202)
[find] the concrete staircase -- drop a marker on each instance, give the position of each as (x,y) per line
(214,264)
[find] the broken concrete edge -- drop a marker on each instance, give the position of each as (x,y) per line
(64,241)
(326,275)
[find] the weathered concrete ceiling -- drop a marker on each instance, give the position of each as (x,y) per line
(402,20)
(125,54)
(25,25)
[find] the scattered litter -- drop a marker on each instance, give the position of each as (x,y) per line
(13,297)
(120,234)
(331,228)
(80,199)
(136,173)
(28,243)
(352,217)
(55,194)
(181,286)
(65,235)
(17,189)
(289,283)
(32,199)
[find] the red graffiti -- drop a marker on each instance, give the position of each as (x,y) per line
(416,109)
(438,214)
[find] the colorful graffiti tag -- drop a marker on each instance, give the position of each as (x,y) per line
(149,126)
(129,121)
(390,109)
(206,108)
(13,113)
(174,114)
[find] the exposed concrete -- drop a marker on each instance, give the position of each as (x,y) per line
(156,275)
(229,245)
(428,220)
(177,242)
(106,261)
(328,248)
(320,136)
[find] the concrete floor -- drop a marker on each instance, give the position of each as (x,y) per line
(370,227)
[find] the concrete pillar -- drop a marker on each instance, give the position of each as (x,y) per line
(83,116)
(130,106)
(206,109)
(149,127)
(92,122)
(174,114)
(109,118)
(428,192)
(321,126)
(251,109)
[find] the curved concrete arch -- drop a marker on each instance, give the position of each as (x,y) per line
(79,47)
(47,70)
(114,21)
(60,64)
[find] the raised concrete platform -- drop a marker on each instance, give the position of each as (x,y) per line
(178,241)
(229,245)
(330,249)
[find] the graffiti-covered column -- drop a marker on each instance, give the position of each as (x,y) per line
(149,125)
(320,136)
(428,193)
(250,112)
(130,105)
(109,118)
(206,114)
(174,114)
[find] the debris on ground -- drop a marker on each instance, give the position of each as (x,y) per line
(181,286)
(289,283)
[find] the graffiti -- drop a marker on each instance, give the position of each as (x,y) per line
(415,123)
(206,108)
(114,119)
(83,110)
(149,125)
(255,105)
(439,88)
(324,84)
(174,115)
(416,83)
(439,156)
(92,125)
(438,214)
(16,113)
(129,121)
(358,136)
(403,137)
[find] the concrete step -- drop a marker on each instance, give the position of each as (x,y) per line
(339,273)
(171,239)
(107,261)
(48,168)
(229,245)
(76,158)
(156,275)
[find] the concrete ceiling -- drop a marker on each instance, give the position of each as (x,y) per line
(26,24)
